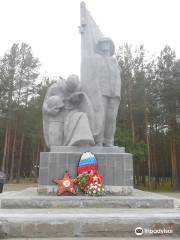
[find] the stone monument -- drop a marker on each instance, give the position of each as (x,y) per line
(80,116)
(100,76)
(67,114)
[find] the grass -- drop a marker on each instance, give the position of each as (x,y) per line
(164,185)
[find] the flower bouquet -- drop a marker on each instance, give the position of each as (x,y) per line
(91,184)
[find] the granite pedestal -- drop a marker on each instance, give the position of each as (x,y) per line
(115,165)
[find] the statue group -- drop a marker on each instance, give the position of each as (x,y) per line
(82,113)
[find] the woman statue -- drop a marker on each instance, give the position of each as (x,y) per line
(67,114)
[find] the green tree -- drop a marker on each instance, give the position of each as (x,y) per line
(168,103)
(18,72)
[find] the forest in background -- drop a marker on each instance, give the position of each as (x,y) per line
(148,122)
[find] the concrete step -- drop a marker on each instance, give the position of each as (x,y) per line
(85,202)
(101,222)
(91,238)
(30,199)
(9,193)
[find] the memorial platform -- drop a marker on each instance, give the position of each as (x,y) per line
(28,214)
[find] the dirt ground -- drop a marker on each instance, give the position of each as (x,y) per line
(16,187)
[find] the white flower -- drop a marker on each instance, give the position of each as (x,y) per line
(94,191)
(95,187)
(99,189)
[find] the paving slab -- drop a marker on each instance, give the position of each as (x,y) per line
(86,222)
(29,198)
(92,222)
(94,238)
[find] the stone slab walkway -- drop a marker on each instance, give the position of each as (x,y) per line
(100,238)
(85,224)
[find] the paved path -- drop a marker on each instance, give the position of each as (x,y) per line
(18,187)
(126,219)
(96,238)
(171,194)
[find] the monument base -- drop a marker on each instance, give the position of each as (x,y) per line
(114,164)
(26,214)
